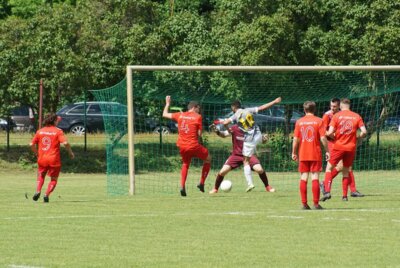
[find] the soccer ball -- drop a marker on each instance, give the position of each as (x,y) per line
(226,186)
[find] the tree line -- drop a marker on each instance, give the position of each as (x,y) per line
(75,45)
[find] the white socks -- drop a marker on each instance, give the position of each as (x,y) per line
(247,174)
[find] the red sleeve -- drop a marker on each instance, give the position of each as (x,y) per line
(35,139)
(360,122)
(61,137)
(322,129)
(325,121)
(333,122)
(175,116)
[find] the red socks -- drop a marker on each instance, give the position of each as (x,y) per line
(51,187)
(204,172)
(303,192)
(345,185)
(218,181)
(184,173)
(315,191)
(328,182)
(352,182)
(39,183)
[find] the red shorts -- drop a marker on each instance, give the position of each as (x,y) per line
(310,166)
(235,161)
(199,152)
(53,172)
(346,156)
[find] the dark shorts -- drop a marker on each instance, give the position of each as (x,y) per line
(235,161)
(346,156)
(310,166)
(53,172)
(199,152)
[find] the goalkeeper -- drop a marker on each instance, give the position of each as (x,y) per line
(252,133)
(235,160)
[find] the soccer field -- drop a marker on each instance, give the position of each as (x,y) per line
(82,227)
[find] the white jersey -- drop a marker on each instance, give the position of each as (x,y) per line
(244,118)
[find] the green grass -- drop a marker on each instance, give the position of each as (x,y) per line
(82,227)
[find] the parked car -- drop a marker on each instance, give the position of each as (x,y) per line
(3,124)
(269,120)
(23,118)
(72,118)
(392,123)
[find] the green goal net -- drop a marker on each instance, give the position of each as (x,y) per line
(374,95)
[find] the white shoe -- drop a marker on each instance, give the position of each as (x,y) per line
(251,187)
(213,191)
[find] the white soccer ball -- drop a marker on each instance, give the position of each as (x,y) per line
(226,186)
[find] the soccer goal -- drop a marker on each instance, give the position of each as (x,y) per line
(141,153)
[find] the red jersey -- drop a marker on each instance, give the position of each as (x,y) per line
(237,140)
(326,118)
(189,124)
(309,129)
(346,123)
(48,140)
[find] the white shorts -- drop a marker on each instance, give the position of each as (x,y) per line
(250,146)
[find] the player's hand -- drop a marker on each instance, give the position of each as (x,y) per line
(327,156)
(71,155)
(265,138)
(294,157)
(213,128)
(278,100)
(168,100)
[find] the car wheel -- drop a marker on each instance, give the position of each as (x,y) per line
(164,130)
(77,129)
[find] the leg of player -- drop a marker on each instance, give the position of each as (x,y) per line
(247,174)
(204,173)
(263,176)
(327,182)
(345,182)
(303,190)
(50,188)
(315,189)
(39,184)
(352,183)
(184,173)
(220,177)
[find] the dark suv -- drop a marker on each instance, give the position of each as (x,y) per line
(72,118)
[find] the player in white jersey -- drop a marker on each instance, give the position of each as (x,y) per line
(243,117)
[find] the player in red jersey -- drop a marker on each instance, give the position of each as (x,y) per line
(235,160)
(189,131)
(327,117)
(46,145)
(308,133)
(344,125)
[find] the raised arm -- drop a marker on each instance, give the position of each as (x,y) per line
(269,104)
(166,113)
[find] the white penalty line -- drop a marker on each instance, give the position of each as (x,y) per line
(23,266)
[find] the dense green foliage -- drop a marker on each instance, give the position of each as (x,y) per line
(79,45)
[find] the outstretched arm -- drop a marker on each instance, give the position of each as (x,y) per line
(269,104)
(167,114)
(69,150)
